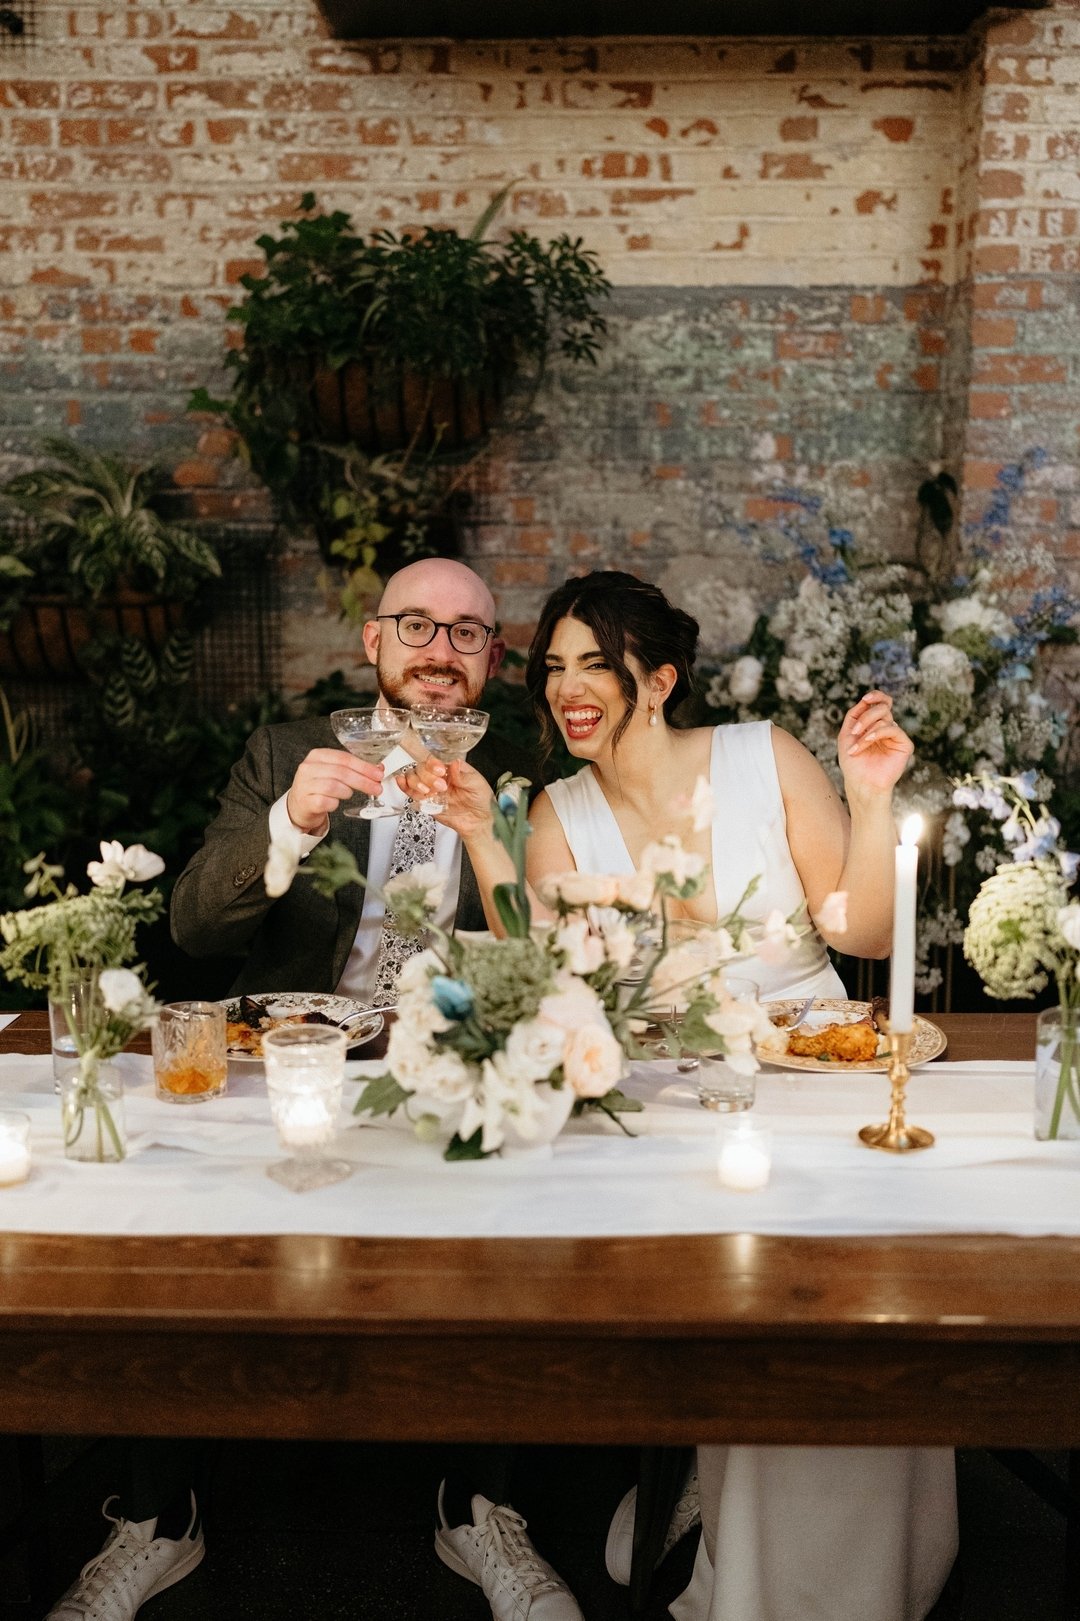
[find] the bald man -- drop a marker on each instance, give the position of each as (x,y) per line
(432,641)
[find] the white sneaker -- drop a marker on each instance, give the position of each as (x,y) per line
(495,1553)
(132,1566)
(619,1548)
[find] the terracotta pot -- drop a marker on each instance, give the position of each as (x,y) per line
(350,410)
(46,636)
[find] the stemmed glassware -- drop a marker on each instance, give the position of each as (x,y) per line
(370,734)
(448,734)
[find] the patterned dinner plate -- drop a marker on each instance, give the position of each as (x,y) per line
(278,1005)
(927,1040)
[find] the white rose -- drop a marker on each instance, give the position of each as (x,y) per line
(832,918)
(121,990)
(584,950)
(571,1004)
(426,881)
(744,681)
(534,1048)
(447,1078)
(1069,923)
(579,889)
(117,865)
(593,1060)
(636,890)
(408,1056)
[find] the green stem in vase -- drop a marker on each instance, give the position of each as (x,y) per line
(1066,1085)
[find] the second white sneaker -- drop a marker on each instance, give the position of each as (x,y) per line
(619,1550)
(133,1565)
(495,1553)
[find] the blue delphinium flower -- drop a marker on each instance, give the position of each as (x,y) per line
(891,665)
(1069,862)
(1025,783)
(452,997)
(1042,840)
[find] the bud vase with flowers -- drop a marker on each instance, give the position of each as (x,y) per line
(1024,931)
(70,943)
(498,1042)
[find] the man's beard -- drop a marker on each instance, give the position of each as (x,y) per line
(465,694)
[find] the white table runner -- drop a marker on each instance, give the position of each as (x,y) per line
(201,1168)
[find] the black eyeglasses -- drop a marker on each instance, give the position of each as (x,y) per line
(417,630)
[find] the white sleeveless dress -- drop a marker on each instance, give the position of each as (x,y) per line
(749,839)
(791,1533)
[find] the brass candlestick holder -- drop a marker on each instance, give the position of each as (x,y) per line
(896,1136)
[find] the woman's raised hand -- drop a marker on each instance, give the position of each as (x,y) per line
(872,749)
(466,794)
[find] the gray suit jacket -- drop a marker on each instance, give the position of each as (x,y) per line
(301,941)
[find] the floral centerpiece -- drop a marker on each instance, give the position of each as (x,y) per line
(958,642)
(76,948)
(1024,931)
(498,1041)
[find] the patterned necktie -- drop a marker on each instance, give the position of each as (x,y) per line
(414,843)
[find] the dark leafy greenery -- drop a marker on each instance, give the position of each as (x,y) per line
(33,803)
(428,305)
(96,528)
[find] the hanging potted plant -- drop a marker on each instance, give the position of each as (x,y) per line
(398,350)
(99,559)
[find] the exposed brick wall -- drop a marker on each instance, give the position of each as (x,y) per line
(1025,246)
(835,260)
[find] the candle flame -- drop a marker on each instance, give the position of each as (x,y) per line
(911,832)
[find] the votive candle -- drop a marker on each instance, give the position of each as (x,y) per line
(744,1155)
(14,1148)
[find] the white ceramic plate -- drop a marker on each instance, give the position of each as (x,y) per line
(280,1003)
(927,1040)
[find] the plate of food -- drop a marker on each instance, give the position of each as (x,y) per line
(840,1035)
(247,1018)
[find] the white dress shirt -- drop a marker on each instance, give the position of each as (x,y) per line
(358,977)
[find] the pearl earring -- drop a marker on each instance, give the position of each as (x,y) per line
(652,714)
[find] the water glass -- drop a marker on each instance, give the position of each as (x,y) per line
(305,1073)
(188,1043)
(723,1088)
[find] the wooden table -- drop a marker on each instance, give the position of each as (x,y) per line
(652,1340)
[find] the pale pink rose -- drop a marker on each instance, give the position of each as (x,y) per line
(578,889)
(668,858)
(636,890)
(832,918)
(571,1004)
(776,940)
(593,1061)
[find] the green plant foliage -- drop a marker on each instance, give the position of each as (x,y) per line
(153,762)
(429,305)
(33,803)
(97,528)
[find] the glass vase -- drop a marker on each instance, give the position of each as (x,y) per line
(76,1014)
(92,1109)
(1057,1073)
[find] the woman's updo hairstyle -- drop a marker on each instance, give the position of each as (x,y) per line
(626,615)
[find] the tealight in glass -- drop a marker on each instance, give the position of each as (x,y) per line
(305,1073)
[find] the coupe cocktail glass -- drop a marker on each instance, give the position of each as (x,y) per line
(370,734)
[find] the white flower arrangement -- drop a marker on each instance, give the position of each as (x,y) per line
(491,1034)
(960,646)
(71,937)
(1023,928)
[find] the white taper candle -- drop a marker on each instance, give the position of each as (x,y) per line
(902,973)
